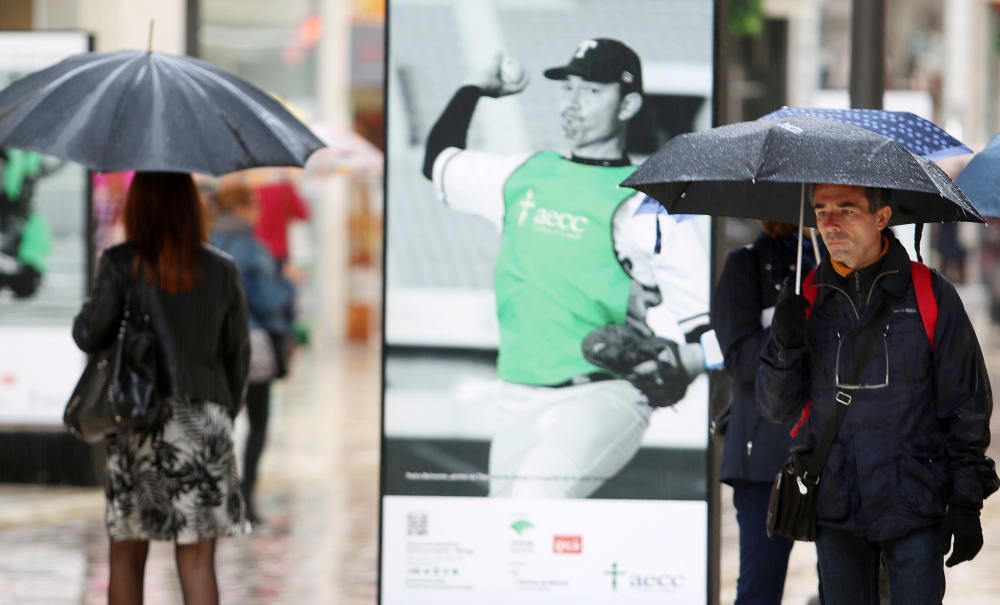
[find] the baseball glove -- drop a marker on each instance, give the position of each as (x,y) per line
(652,364)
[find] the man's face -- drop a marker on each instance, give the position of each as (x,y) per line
(590,110)
(851,232)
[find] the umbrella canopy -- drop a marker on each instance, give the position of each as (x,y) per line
(758,170)
(133,110)
(917,134)
(981,179)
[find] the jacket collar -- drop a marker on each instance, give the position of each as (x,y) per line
(894,271)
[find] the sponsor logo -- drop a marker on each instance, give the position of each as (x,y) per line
(521,525)
(643,582)
(550,222)
(614,572)
(585,47)
(567,545)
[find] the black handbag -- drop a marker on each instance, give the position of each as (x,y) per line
(791,511)
(126,386)
(143,380)
(89,415)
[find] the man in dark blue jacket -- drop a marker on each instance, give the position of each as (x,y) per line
(907,474)
(754,449)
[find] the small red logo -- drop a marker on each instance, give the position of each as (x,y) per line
(567,545)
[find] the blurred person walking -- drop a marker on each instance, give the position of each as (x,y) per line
(180,482)
(754,449)
(268,297)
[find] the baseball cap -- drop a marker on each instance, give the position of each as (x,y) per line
(602,60)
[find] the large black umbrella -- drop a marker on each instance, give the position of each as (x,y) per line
(757,169)
(761,170)
(133,110)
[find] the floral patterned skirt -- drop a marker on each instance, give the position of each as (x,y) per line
(179,485)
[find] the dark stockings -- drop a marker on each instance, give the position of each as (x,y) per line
(258,402)
(127,562)
(196,568)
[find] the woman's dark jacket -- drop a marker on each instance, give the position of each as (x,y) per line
(754,449)
(208,323)
(905,450)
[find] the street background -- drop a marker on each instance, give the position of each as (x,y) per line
(319,476)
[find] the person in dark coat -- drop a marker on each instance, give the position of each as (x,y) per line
(907,473)
(180,483)
(755,449)
(268,295)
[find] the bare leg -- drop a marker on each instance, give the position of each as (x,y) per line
(196,568)
(127,562)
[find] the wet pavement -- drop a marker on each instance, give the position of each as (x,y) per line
(319,496)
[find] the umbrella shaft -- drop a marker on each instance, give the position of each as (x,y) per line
(798,252)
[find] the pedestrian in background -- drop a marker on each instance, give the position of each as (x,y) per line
(754,449)
(237,211)
(179,484)
(906,476)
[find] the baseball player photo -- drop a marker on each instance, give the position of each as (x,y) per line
(598,298)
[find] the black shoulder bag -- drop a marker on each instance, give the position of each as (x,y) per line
(125,386)
(791,511)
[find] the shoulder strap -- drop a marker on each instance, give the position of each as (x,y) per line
(926,302)
(844,399)
(809,291)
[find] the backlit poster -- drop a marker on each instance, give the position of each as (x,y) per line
(546,331)
(43,256)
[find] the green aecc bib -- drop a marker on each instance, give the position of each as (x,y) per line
(557,276)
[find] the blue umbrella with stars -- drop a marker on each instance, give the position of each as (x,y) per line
(920,136)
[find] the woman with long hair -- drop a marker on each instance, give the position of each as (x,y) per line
(179,483)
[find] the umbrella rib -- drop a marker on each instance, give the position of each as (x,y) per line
(223,82)
(118,106)
(197,87)
(51,87)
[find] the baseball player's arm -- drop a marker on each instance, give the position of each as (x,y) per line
(736,316)
(452,127)
(662,253)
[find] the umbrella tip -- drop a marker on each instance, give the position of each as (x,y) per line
(149,43)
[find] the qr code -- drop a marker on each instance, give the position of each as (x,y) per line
(416,524)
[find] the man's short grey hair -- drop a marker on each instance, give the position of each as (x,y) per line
(878,197)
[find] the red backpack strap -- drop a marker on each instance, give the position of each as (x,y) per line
(809,292)
(926,303)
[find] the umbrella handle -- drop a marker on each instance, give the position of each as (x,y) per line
(798,252)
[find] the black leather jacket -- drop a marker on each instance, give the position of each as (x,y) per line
(209,324)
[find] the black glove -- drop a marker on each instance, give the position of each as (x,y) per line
(789,323)
(652,364)
(962,523)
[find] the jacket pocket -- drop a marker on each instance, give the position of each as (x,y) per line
(921,483)
(832,502)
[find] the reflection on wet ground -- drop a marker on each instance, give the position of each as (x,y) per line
(320,500)
(319,496)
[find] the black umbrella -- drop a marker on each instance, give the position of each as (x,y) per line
(756,170)
(133,110)
(760,170)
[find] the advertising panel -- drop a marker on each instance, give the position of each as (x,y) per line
(546,331)
(43,255)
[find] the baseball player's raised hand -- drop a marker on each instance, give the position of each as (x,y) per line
(504,76)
